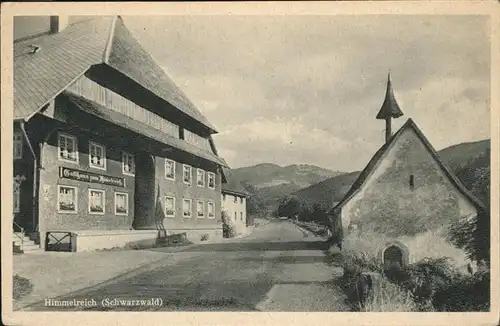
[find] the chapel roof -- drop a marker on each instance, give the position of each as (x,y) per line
(380,155)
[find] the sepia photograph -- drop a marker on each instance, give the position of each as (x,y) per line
(251,163)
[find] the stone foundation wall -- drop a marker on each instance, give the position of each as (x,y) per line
(93,240)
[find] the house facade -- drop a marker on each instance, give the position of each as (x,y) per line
(234,202)
(107,149)
(403,192)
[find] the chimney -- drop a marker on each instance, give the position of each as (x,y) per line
(58,23)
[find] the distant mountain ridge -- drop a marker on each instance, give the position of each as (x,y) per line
(268,183)
(269,174)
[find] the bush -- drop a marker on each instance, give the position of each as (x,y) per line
(173,240)
(419,281)
(465,293)
(389,297)
(21,287)
(204,237)
(423,279)
(442,279)
(140,244)
(427,245)
(228,227)
(473,235)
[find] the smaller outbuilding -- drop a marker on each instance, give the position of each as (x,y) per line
(234,201)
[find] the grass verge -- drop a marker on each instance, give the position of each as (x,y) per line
(21,287)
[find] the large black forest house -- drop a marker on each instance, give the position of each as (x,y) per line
(107,149)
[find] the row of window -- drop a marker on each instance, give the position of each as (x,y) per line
(67,201)
(68,152)
(203,208)
(187,174)
(235,198)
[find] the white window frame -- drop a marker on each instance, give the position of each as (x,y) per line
(190,208)
(203,209)
(103,192)
(208,179)
(127,204)
(210,203)
(202,176)
(130,157)
(75,145)
(184,166)
(18,143)
(173,206)
(75,211)
(173,169)
(103,149)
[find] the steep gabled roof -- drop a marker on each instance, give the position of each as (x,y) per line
(63,57)
(232,185)
(128,57)
(380,154)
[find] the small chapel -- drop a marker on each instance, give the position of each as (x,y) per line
(405,190)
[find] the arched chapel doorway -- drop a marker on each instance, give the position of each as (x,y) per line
(395,255)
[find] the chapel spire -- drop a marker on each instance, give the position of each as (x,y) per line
(390,108)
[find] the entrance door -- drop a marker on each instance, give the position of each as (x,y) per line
(23,204)
(144,197)
(393,257)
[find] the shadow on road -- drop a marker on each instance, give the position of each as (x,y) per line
(258,246)
(285,259)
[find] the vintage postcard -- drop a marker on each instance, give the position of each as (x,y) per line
(250,163)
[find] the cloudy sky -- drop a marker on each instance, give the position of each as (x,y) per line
(306,89)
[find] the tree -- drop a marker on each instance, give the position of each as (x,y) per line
(289,207)
(255,204)
(305,214)
(319,214)
(228,227)
(473,234)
